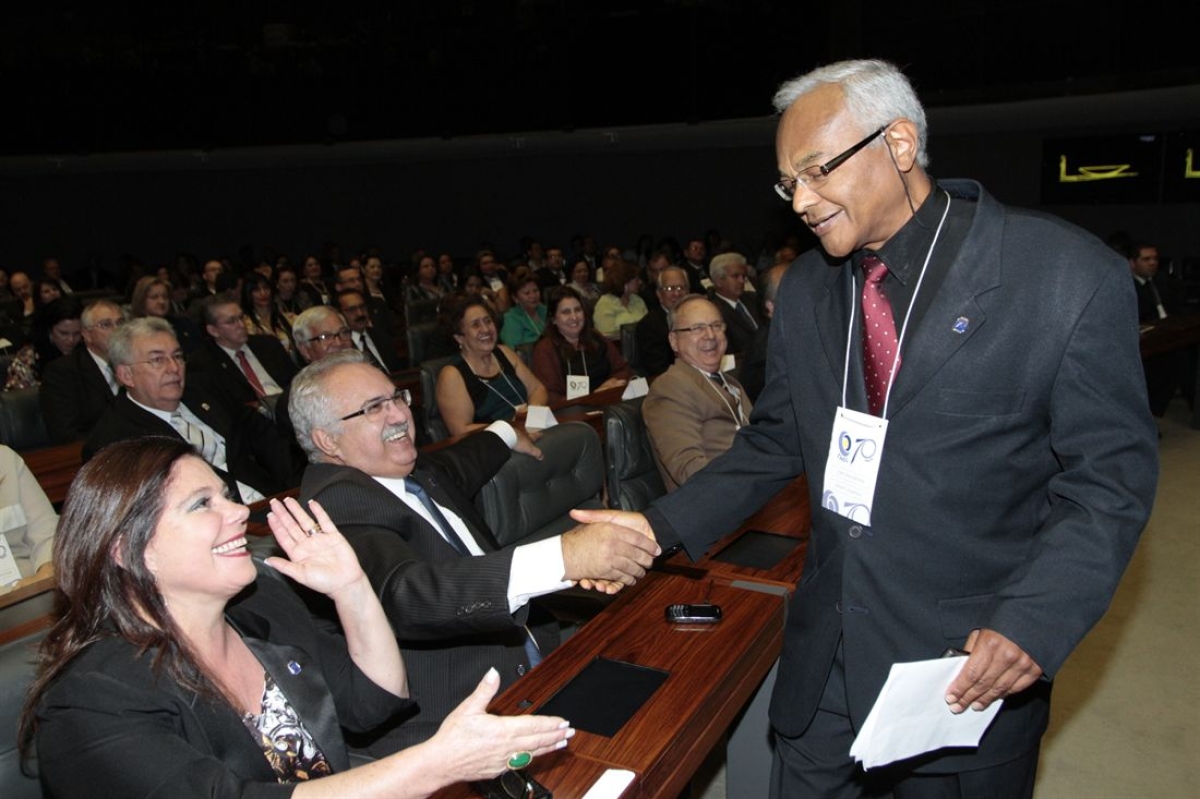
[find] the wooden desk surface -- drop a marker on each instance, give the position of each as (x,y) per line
(1175,332)
(714,669)
(789,514)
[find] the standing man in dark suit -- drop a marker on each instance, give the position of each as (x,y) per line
(695,264)
(77,388)
(738,309)
(459,603)
(245,369)
(1016,460)
(376,345)
(240,445)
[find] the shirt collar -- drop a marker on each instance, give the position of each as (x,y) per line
(904,253)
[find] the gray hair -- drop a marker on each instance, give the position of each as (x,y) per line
(120,345)
(89,313)
(306,321)
(718,265)
(771,281)
(659,280)
(876,94)
(310,406)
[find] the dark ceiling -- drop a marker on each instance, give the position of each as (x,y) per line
(139,76)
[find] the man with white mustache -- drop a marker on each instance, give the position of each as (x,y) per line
(458,602)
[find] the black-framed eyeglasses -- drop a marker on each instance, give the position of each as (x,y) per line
(816,174)
(701,328)
(372,408)
(344,334)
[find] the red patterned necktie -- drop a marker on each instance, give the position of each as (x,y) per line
(247,370)
(879,339)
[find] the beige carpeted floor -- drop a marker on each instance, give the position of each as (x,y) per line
(1125,721)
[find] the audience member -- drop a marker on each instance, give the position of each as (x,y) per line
(52,271)
(22,289)
(753,368)
(172,645)
(290,300)
(27,520)
(494,277)
(525,321)
(572,349)
(237,442)
(241,368)
(366,337)
(312,283)
(263,315)
(457,601)
(620,304)
(657,261)
(152,297)
(584,285)
(425,288)
(653,344)
(489,381)
(1156,297)
(45,291)
(56,332)
(693,409)
(695,263)
(553,273)
(739,310)
(78,388)
(1168,372)
(448,278)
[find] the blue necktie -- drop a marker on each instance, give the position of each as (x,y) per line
(444,527)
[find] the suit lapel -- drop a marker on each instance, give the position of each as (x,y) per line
(832,310)
(433,487)
(955,315)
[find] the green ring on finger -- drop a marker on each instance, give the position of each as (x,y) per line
(519,760)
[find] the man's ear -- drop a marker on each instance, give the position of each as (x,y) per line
(902,139)
(326,443)
(124,375)
(674,340)
(212,331)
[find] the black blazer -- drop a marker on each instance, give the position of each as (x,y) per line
(1018,471)
(654,349)
(73,396)
(110,725)
(221,374)
(450,612)
(739,332)
(387,348)
(254,451)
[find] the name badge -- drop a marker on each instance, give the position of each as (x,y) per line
(9,573)
(578,386)
(852,467)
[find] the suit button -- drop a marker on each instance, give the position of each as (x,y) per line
(856,531)
(839,606)
(520,669)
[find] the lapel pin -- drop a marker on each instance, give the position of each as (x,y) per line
(204,405)
(961,324)
(294,668)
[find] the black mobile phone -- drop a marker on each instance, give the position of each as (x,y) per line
(693,614)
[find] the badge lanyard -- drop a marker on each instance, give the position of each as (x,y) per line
(739,418)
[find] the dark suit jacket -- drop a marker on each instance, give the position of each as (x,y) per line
(1018,471)
(752,365)
(387,348)
(254,451)
(73,395)
(654,349)
(110,721)
(450,612)
(1148,303)
(222,375)
(739,332)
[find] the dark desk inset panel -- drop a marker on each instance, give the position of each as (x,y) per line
(758,550)
(604,695)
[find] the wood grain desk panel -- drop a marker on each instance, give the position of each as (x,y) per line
(788,513)
(713,671)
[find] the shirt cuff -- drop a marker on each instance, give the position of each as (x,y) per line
(536,570)
(506,432)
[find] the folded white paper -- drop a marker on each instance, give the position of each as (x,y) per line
(911,717)
(637,387)
(728,363)
(539,417)
(611,784)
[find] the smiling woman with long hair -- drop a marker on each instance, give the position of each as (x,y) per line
(179,667)
(571,347)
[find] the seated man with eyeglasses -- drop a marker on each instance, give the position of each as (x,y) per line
(693,409)
(241,446)
(78,387)
(459,603)
(246,369)
(653,346)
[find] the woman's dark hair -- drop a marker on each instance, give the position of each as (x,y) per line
(104,587)
(521,277)
(616,274)
(250,282)
(591,273)
(589,339)
(452,312)
(37,290)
